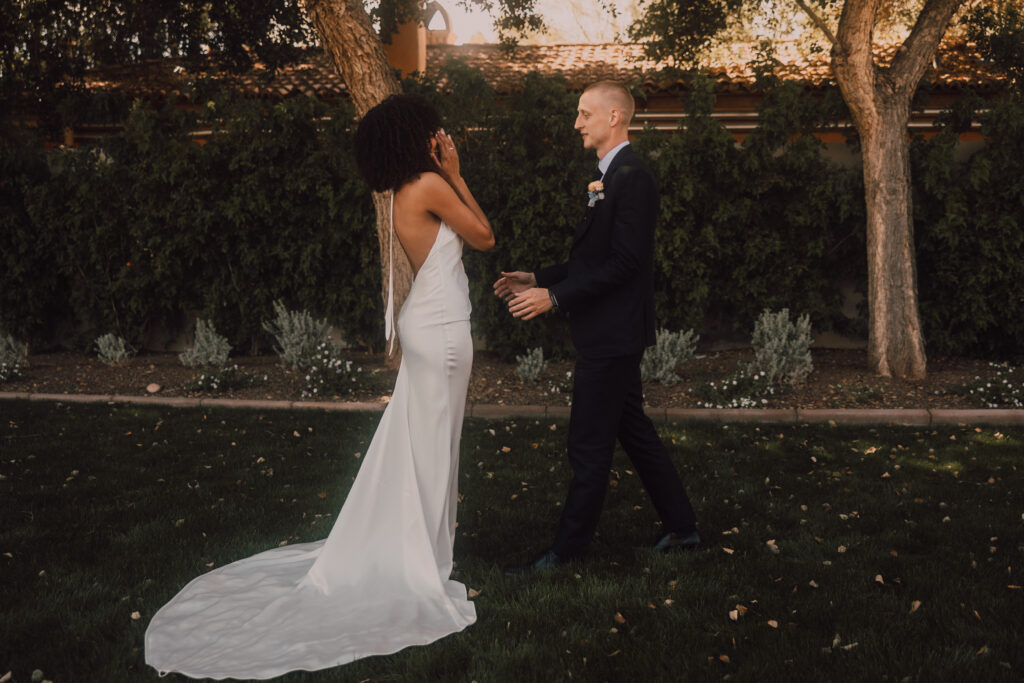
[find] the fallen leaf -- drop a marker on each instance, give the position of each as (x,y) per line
(983,650)
(734,615)
(914,606)
(741,609)
(841,549)
(850,646)
(506,449)
(472,593)
(773,623)
(136,616)
(619,619)
(668,602)
(812,583)
(879,579)
(729,550)
(723,658)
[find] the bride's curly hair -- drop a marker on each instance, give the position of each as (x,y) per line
(392,142)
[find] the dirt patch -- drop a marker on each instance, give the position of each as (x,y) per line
(840,380)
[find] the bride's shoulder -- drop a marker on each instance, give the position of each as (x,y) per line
(426,187)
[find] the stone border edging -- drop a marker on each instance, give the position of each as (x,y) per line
(912,417)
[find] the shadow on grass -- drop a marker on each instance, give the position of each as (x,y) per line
(832,553)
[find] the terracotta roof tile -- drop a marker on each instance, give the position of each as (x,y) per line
(956,65)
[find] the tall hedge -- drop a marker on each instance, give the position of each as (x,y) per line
(147,227)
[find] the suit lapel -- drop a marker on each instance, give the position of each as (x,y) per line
(588,217)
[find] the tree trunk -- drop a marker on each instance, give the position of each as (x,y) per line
(895,341)
(348,37)
(879,101)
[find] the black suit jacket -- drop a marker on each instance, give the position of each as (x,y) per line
(607,285)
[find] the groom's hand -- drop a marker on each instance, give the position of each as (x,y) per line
(511,284)
(530,303)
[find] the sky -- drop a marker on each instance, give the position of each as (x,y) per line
(570,21)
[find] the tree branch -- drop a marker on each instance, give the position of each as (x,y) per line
(913,56)
(817,20)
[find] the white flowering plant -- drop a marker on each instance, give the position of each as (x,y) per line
(12,358)
(562,386)
(212,381)
(1004,390)
(329,373)
(744,388)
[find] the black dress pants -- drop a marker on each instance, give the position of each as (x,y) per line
(607,404)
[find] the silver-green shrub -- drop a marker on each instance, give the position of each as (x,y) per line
(113,349)
(209,348)
(298,335)
(669,350)
(530,365)
(12,357)
(782,349)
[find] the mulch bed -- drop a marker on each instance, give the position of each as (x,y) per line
(840,380)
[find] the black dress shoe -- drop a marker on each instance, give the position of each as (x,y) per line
(677,541)
(546,561)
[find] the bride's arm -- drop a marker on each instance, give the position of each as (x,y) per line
(476,233)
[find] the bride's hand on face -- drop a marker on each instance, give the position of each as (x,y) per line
(442,149)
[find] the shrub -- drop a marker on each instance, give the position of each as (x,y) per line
(671,349)
(208,348)
(782,350)
(328,373)
(299,337)
(530,365)
(113,350)
(12,357)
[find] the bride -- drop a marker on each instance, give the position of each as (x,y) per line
(380,581)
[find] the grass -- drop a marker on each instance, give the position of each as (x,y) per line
(833,553)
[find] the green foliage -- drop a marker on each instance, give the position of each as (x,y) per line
(148,229)
(767,223)
(998,32)
(970,246)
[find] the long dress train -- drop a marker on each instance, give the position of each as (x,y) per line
(380,581)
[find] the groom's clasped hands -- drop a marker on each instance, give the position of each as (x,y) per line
(524,298)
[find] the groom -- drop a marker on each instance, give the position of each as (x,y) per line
(607,290)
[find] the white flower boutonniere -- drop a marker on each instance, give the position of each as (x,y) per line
(595,191)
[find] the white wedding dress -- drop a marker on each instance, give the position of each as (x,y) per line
(380,581)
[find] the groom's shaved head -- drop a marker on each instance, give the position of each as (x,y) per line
(615,96)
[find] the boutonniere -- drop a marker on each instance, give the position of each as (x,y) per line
(595,191)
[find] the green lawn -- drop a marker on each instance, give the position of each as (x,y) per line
(833,553)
